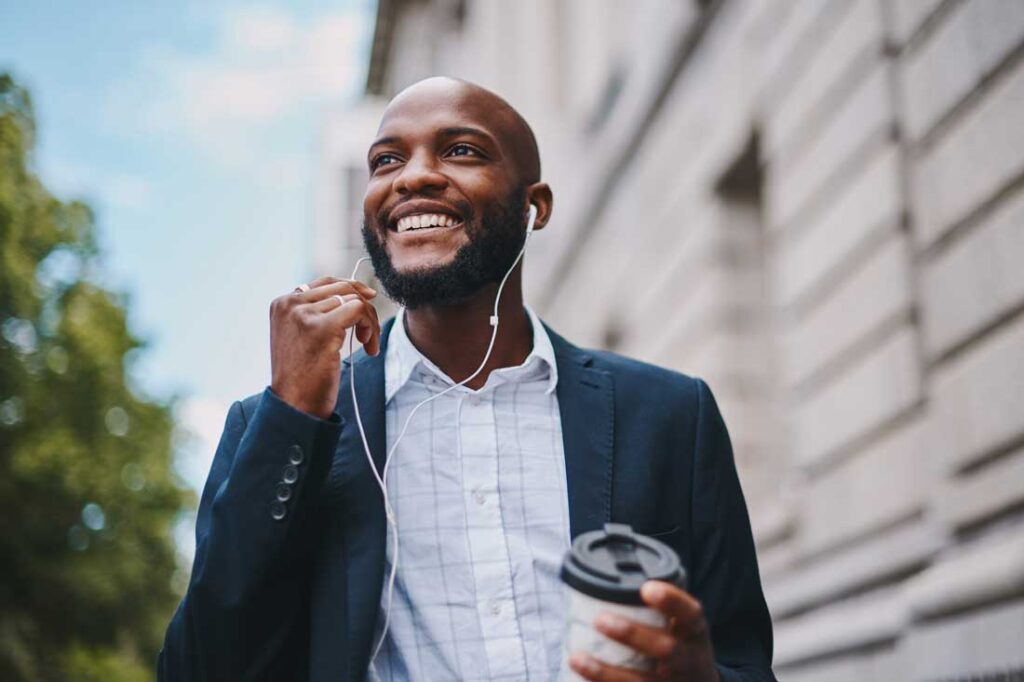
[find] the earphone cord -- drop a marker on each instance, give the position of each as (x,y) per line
(383,476)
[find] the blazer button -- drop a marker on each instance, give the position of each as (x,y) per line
(278,511)
(284,492)
(291,474)
(295,455)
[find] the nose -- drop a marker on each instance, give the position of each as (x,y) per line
(420,174)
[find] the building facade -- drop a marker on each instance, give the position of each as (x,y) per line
(818,207)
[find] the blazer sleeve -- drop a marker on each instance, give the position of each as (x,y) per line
(255,532)
(724,576)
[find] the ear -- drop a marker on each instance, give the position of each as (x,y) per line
(539,194)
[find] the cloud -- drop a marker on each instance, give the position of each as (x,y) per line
(260,29)
(329,51)
(265,68)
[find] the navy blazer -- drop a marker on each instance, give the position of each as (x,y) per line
(293,591)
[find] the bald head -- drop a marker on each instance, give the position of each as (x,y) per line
(510,129)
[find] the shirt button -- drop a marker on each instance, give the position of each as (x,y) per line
(495,608)
(479,497)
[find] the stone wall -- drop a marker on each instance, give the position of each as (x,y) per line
(817,206)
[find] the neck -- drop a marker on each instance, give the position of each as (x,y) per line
(455,336)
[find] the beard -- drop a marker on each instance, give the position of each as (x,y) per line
(485,259)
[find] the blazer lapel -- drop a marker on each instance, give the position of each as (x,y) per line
(369,379)
(365,530)
(586,400)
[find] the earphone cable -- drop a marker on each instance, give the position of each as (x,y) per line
(383,476)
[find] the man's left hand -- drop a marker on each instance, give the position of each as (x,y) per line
(682,650)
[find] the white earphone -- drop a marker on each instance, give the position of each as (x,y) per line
(382,478)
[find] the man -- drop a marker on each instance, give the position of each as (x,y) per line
(491,479)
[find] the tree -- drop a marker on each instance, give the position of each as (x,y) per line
(87,492)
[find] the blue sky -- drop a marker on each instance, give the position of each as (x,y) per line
(191,128)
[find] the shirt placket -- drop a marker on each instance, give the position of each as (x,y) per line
(488,550)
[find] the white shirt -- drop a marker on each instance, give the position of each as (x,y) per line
(479,493)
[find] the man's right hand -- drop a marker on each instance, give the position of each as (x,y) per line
(307,331)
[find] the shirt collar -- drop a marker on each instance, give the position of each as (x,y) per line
(402,358)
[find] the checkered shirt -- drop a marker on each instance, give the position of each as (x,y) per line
(479,493)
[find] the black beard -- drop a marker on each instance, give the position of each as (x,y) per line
(486,258)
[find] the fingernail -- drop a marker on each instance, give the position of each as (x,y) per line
(583,664)
(652,590)
(610,624)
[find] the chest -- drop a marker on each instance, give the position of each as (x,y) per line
(476,461)
(481,503)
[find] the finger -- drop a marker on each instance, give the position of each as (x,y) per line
(329,279)
(319,281)
(363,333)
(336,301)
(648,640)
(350,314)
(588,667)
(368,331)
(685,611)
(340,286)
(337,286)
(373,344)
(364,328)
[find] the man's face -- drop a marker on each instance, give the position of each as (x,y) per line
(444,211)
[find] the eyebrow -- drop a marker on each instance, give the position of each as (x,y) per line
(453,131)
(465,130)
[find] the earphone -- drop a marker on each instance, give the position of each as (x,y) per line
(382,477)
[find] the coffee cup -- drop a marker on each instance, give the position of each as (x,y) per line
(603,572)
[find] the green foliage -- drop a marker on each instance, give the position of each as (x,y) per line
(87,493)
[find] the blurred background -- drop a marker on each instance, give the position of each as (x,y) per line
(816,205)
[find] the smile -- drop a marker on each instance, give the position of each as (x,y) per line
(422,221)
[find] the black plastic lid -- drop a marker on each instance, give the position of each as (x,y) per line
(613,563)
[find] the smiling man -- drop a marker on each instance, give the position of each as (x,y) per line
(491,479)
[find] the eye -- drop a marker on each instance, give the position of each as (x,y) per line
(383,160)
(463,149)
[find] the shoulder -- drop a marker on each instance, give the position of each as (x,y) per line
(246,407)
(649,381)
(631,368)
(636,377)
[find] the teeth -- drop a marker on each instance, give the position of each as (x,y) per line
(415,222)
